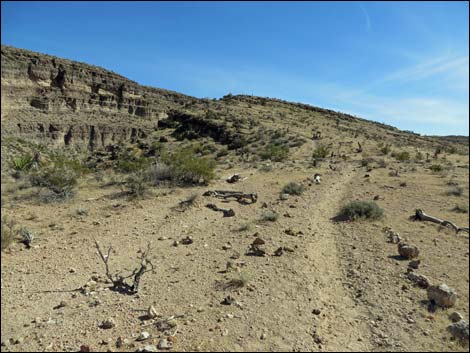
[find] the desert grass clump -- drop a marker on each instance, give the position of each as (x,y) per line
(460,209)
(22,163)
(361,210)
(270,216)
(243,227)
(455,191)
(275,153)
(321,151)
(60,182)
(293,189)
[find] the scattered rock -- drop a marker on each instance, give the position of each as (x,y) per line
(122,342)
(152,312)
(414,264)
(279,251)
(442,295)
(188,240)
(227,246)
(459,330)
(455,316)
(164,344)
(284,197)
(143,336)
(316,311)
(420,280)
(408,251)
(85,348)
(108,323)
(149,348)
(263,336)
(228,300)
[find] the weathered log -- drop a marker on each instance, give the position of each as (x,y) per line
(421,216)
(239,196)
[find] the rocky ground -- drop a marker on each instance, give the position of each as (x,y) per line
(334,286)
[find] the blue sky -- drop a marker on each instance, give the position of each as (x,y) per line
(402,63)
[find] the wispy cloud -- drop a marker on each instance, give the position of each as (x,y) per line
(366,16)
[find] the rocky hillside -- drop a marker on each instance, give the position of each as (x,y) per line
(68,102)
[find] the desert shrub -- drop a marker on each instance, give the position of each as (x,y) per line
(275,153)
(321,152)
(436,168)
(293,189)
(61,180)
(403,156)
(455,191)
(385,150)
(243,227)
(419,156)
(266,167)
(129,162)
(270,216)
(136,185)
(460,208)
(8,232)
(361,210)
(22,163)
(186,168)
(222,152)
(158,173)
(364,163)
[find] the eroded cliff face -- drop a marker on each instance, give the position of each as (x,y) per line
(75,103)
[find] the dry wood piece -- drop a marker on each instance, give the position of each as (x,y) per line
(421,216)
(241,197)
(227,212)
(118,281)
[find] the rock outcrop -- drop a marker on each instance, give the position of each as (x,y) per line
(71,102)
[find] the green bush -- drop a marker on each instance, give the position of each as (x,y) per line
(321,152)
(187,168)
(128,162)
(136,185)
(403,156)
(275,153)
(385,150)
(293,189)
(436,168)
(361,210)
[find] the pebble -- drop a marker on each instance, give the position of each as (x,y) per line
(108,323)
(149,348)
(455,316)
(164,344)
(143,336)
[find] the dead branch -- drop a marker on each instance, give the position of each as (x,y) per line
(119,282)
(421,216)
(228,212)
(241,197)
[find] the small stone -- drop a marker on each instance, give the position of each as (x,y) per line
(121,342)
(263,336)
(408,251)
(226,246)
(414,264)
(143,336)
(72,270)
(455,316)
(420,280)
(152,312)
(316,311)
(85,348)
(284,197)
(228,300)
(459,330)
(164,344)
(150,348)
(442,295)
(108,323)
(188,240)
